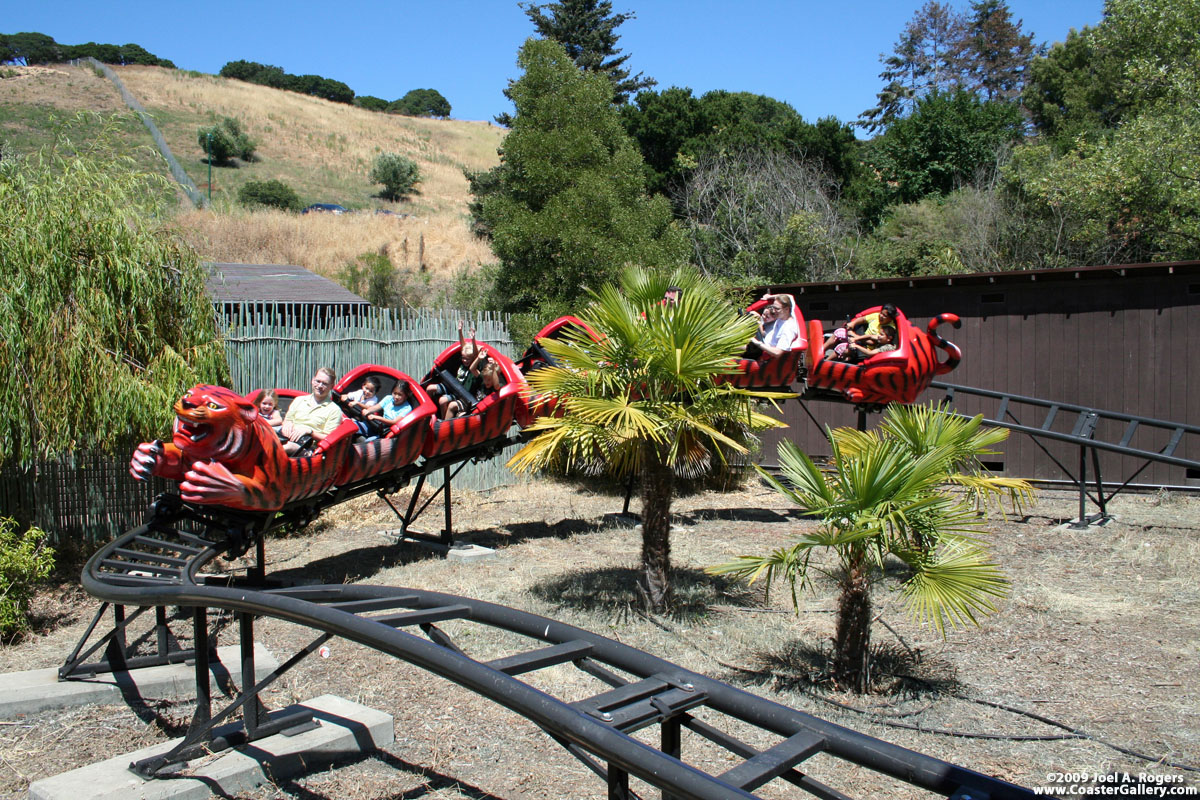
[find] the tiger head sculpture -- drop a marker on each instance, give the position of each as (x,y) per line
(213,423)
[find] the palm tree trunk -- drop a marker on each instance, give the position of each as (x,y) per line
(658,486)
(852,641)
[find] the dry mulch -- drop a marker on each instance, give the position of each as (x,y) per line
(1091,664)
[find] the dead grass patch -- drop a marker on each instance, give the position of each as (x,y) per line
(323,150)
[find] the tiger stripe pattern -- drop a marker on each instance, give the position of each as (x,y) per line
(899,376)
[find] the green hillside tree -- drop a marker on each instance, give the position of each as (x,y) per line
(30,48)
(422,103)
(567,207)
(225,141)
(101,303)
(371,103)
(398,174)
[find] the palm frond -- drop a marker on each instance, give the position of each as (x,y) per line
(955,585)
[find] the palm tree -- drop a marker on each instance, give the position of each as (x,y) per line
(887,496)
(645,399)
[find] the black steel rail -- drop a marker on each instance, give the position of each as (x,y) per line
(1151,440)
(158,565)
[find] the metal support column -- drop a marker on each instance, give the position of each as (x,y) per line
(618,783)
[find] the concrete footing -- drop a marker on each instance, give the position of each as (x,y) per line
(40,689)
(345,730)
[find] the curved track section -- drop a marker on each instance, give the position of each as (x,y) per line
(160,565)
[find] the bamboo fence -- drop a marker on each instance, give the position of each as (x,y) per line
(87,498)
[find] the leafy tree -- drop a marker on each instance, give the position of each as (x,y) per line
(587,30)
(885,497)
(226,140)
(645,399)
(422,103)
(996,54)
(25,559)
(1129,191)
(398,174)
(675,130)
(270,193)
(1072,90)
(101,303)
(104,53)
(568,205)
(946,143)
(114,54)
(31,48)
(665,126)
(317,86)
(968,230)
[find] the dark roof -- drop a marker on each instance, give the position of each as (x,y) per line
(1011,277)
(275,283)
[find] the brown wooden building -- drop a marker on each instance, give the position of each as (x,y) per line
(1109,338)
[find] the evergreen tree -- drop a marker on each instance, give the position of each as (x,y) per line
(587,30)
(567,207)
(927,58)
(996,55)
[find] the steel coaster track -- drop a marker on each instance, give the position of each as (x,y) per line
(1084,423)
(158,565)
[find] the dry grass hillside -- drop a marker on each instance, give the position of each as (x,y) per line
(321,149)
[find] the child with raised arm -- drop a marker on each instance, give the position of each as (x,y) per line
(469,354)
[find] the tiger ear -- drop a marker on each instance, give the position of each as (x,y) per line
(248,409)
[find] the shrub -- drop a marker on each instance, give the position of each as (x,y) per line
(25,559)
(398,174)
(228,140)
(376,279)
(272,193)
(371,103)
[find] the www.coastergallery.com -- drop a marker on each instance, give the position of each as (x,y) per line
(1066,784)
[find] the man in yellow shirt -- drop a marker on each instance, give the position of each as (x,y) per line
(314,415)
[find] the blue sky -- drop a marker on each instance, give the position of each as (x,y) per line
(822,58)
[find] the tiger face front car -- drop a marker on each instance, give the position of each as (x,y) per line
(213,423)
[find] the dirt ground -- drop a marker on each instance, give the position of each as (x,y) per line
(1091,664)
